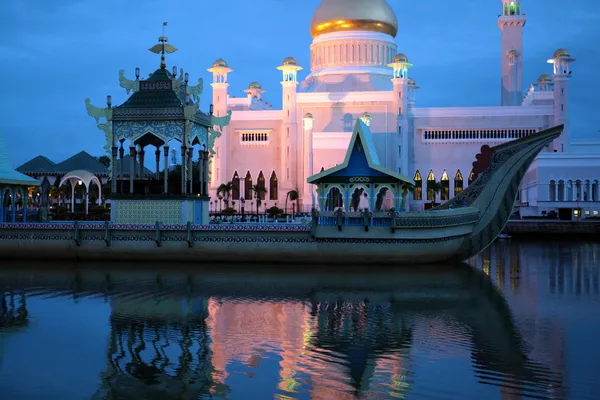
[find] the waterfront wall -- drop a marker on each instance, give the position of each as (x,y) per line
(554,228)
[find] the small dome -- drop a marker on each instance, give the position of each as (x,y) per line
(366,115)
(561,53)
(290,61)
(400,58)
(308,116)
(411,82)
(254,85)
(512,53)
(220,63)
(544,78)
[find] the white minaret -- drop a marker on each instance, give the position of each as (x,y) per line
(562,73)
(511,22)
(289,69)
(400,107)
(219,172)
(309,163)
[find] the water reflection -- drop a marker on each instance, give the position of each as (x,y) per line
(427,332)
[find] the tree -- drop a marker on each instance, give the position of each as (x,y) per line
(225,190)
(259,190)
(104,160)
(292,195)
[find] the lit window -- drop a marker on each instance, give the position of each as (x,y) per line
(595,213)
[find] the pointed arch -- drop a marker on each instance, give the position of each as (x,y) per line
(472,176)
(273,187)
(445,182)
(260,182)
(235,186)
(248,186)
(458,182)
(418,190)
(431,186)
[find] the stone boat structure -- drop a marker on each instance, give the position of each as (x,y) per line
(455,230)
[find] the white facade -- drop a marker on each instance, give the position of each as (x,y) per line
(355,69)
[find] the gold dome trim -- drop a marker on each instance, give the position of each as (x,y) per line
(353,25)
(562,53)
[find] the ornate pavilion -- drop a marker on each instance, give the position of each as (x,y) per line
(163,108)
(13,185)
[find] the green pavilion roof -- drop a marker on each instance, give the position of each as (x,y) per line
(8,175)
(39,164)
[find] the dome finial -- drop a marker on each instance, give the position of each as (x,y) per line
(163,47)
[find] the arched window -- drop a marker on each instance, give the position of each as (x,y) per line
(431,186)
(458,182)
(261,185)
(561,191)
(248,186)
(578,196)
(273,187)
(552,191)
(586,190)
(595,193)
(472,176)
(445,181)
(235,186)
(418,190)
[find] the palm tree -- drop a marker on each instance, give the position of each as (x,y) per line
(292,195)
(225,190)
(259,191)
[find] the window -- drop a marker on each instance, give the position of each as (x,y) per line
(287,173)
(273,187)
(260,185)
(418,190)
(399,151)
(254,138)
(458,183)
(445,181)
(235,186)
(481,135)
(431,186)
(248,186)
(472,177)
(552,191)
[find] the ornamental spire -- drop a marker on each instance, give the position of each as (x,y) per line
(163,47)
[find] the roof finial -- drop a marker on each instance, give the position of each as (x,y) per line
(163,47)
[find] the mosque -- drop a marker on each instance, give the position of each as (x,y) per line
(357,72)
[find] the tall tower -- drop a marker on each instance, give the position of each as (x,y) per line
(400,81)
(219,172)
(511,22)
(562,73)
(289,69)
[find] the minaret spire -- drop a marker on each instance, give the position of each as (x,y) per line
(163,47)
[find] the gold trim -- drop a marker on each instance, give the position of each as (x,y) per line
(353,25)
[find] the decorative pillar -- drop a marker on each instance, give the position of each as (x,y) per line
(157,154)
(205,157)
(142,156)
(190,159)
(72,197)
(122,172)
(131,168)
(166,170)
(201,171)
(113,163)
(308,157)
(183,169)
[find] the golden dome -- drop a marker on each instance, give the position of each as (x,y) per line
(220,63)
(544,78)
(561,53)
(366,115)
(290,61)
(400,58)
(411,81)
(308,116)
(254,85)
(354,15)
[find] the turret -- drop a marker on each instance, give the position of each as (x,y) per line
(220,70)
(544,83)
(511,21)
(400,66)
(412,89)
(308,189)
(561,60)
(254,90)
(289,69)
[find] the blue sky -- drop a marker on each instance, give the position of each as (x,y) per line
(54,54)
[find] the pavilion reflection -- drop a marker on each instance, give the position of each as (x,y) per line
(175,335)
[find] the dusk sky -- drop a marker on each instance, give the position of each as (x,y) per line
(56,53)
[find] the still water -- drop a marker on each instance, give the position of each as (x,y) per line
(521,321)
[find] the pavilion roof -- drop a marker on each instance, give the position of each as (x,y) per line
(8,175)
(361,136)
(82,161)
(39,164)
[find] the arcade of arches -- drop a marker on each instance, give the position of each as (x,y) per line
(443,187)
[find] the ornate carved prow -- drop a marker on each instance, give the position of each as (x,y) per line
(221,122)
(128,84)
(495,189)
